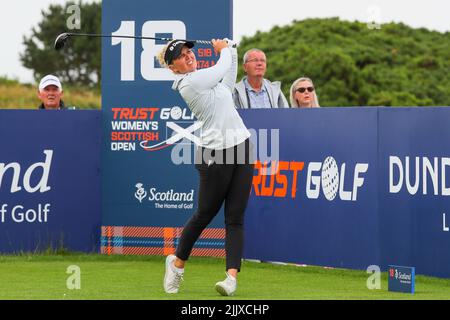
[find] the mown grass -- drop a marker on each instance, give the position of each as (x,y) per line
(140,277)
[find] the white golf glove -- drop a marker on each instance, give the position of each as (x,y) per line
(231,43)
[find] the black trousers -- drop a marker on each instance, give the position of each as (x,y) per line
(223,178)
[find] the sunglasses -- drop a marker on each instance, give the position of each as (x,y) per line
(303,89)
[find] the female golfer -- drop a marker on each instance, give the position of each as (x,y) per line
(223,159)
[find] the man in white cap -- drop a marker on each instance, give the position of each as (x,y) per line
(50,93)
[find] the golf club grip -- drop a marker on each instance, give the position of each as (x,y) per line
(210,43)
(202,41)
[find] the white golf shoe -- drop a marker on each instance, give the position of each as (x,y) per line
(227,287)
(172,278)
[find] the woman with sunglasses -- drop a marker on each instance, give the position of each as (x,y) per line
(303,94)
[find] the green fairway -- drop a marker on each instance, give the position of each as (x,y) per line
(140,277)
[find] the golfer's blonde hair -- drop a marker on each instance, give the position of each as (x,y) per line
(161,55)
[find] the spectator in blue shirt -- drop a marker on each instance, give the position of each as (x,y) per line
(253,91)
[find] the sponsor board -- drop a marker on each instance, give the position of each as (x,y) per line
(148,175)
(281,179)
(167,199)
(401,279)
(49,180)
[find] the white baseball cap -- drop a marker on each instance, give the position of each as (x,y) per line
(49,80)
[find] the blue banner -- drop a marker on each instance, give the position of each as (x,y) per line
(414,206)
(49,180)
(343,187)
(321,203)
(356,187)
(149,182)
(332,186)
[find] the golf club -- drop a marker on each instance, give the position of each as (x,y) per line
(61,40)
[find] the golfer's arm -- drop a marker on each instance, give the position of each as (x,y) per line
(208,78)
(230,78)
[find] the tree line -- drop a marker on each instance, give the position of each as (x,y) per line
(79,63)
(350,63)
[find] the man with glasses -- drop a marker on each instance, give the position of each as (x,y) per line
(253,91)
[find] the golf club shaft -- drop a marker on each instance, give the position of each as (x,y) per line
(133,37)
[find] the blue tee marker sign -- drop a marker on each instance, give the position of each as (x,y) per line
(401,279)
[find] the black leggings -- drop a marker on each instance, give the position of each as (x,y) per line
(219,182)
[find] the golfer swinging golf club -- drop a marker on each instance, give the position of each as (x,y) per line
(223,159)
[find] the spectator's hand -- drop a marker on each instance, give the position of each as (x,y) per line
(219,44)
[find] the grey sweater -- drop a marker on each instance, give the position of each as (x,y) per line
(276,96)
(208,93)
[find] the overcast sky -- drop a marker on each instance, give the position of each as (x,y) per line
(17,17)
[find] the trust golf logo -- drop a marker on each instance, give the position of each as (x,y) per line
(176,113)
(327,178)
(140,193)
(332,179)
(147,127)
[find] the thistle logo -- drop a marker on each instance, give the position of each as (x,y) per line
(168,199)
(140,192)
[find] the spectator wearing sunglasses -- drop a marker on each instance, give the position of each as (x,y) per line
(303,94)
(253,91)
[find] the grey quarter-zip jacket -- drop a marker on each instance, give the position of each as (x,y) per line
(208,94)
